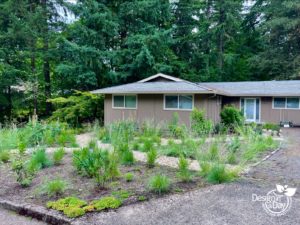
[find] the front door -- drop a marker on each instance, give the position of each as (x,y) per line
(250,109)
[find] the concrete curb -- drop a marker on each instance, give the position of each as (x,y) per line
(37,212)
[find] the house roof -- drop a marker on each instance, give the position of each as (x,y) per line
(166,84)
(161,83)
(256,88)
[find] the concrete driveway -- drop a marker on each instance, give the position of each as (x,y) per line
(221,204)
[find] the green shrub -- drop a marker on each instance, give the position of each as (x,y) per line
(106,203)
(22,148)
(231,117)
(176,130)
(24,176)
(128,177)
(77,108)
(151,157)
(184,173)
(4,156)
(41,158)
(148,145)
(219,174)
(58,156)
(94,163)
(159,184)
(54,187)
(199,125)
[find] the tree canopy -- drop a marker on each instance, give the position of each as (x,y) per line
(49,49)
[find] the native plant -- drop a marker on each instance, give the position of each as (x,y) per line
(40,158)
(231,117)
(219,174)
(159,184)
(53,188)
(183,173)
(4,156)
(199,125)
(94,163)
(24,175)
(58,156)
(151,157)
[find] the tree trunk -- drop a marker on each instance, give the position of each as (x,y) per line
(9,108)
(221,38)
(208,12)
(46,65)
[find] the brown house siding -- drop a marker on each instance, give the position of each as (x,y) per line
(151,107)
(268,114)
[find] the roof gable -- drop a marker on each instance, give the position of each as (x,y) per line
(160,77)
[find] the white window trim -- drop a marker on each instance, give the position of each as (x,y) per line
(256,121)
(113,103)
(285,106)
(178,109)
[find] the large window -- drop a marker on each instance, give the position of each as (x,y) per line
(124,101)
(183,102)
(286,103)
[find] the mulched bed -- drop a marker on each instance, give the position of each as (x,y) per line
(85,188)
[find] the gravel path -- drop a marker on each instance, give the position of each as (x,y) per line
(11,218)
(220,204)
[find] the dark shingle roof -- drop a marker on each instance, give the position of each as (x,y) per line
(168,84)
(154,87)
(256,88)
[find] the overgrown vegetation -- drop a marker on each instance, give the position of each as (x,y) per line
(36,133)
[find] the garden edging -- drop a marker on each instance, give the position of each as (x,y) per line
(37,212)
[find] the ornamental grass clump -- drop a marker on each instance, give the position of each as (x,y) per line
(219,174)
(40,158)
(151,157)
(159,184)
(53,188)
(58,156)
(184,173)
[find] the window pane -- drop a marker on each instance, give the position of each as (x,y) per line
(279,102)
(185,101)
(257,109)
(118,101)
(171,102)
(130,101)
(292,103)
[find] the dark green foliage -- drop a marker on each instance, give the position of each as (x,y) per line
(231,117)
(78,108)
(116,42)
